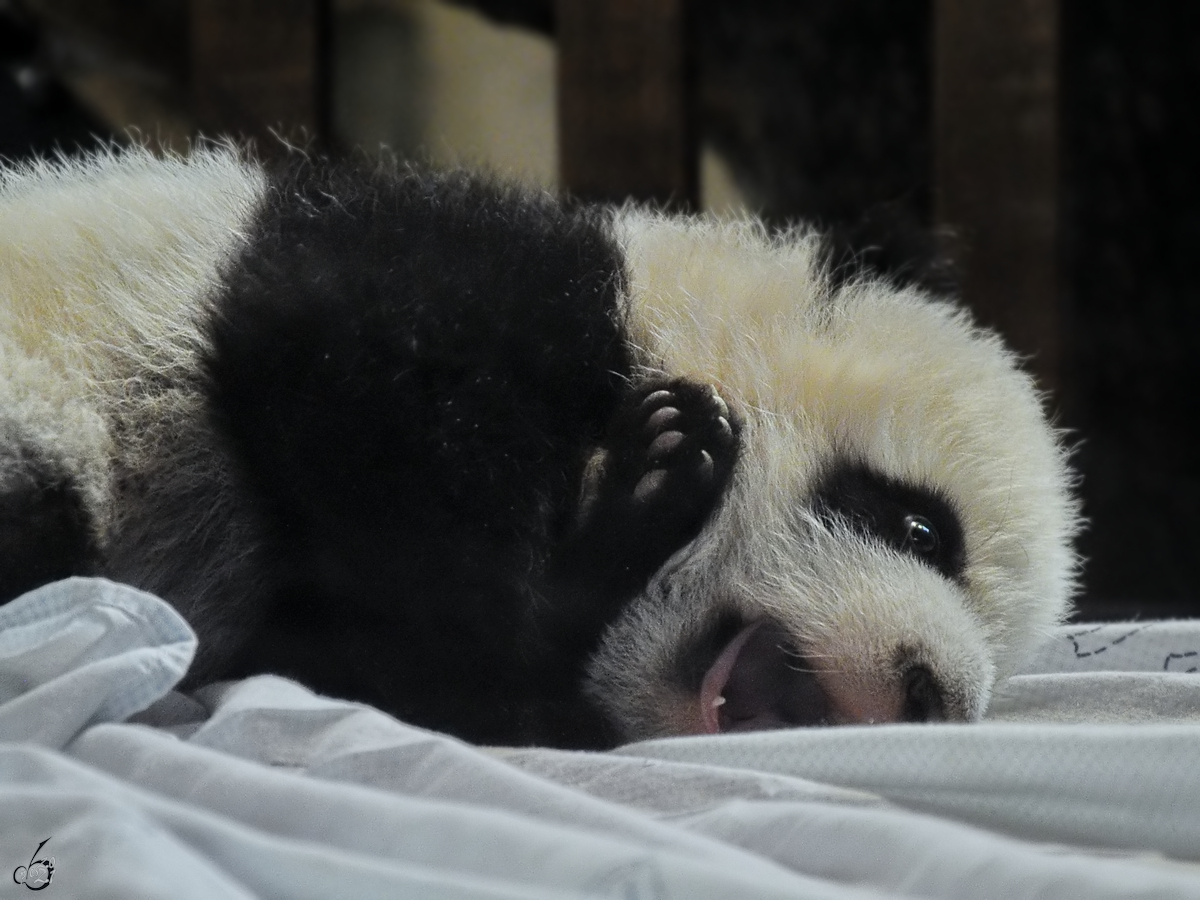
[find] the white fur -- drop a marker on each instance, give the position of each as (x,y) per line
(104,263)
(102,254)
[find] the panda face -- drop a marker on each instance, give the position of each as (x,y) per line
(896,536)
(795,610)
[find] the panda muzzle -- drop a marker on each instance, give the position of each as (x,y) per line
(760,681)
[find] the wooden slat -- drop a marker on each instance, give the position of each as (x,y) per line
(258,66)
(624,109)
(996,164)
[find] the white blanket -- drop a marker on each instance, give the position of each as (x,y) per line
(1085,783)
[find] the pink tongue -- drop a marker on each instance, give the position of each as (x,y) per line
(760,681)
(712,689)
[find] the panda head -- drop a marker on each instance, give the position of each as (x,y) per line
(897,531)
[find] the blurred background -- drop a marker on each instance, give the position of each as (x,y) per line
(1035,156)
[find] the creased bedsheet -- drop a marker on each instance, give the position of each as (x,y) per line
(1085,782)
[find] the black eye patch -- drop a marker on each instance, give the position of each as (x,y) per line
(914,519)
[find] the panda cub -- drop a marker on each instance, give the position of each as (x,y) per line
(520,470)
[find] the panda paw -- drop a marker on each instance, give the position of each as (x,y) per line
(662,470)
(680,442)
(648,490)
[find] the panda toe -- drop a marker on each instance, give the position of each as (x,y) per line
(664,445)
(650,486)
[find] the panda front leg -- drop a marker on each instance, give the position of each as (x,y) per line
(648,490)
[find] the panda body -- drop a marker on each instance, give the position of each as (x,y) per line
(515,469)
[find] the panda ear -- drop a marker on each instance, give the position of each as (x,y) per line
(889,240)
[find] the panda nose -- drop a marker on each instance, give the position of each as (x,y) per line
(922,697)
(913,695)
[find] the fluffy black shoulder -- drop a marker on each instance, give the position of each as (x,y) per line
(410,371)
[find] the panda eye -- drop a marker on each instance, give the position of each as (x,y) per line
(920,536)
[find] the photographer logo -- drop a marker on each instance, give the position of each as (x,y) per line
(35,876)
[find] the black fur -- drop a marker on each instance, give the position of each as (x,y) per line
(436,562)
(45,530)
